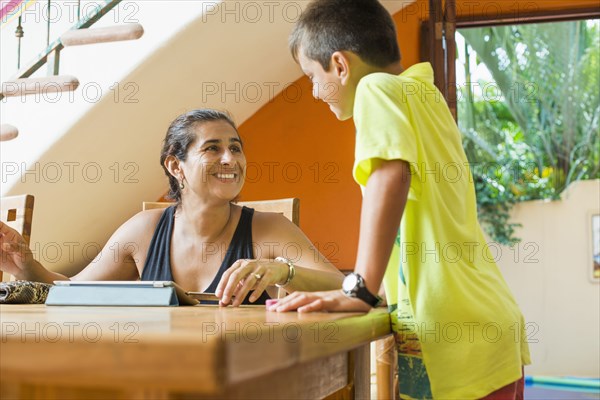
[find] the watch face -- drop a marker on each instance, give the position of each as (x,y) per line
(350,282)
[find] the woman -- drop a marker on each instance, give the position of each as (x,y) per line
(204,242)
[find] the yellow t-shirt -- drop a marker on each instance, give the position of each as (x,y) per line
(470,329)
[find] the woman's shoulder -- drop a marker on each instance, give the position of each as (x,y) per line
(272,225)
(268,218)
(143,223)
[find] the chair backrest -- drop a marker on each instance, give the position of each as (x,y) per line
(290,208)
(17,212)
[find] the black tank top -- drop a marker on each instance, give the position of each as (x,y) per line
(158,260)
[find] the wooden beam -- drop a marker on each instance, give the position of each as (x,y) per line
(476,21)
(77,37)
(47,84)
(8,132)
(436,49)
(450,55)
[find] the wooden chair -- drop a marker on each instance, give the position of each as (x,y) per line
(17,212)
(290,208)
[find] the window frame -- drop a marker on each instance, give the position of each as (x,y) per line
(440,49)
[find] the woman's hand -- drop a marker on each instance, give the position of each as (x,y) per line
(15,256)
(246,275)
(332,300)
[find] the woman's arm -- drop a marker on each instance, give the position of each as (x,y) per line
(276,236)
(116,261)
(122,257)
(17,259)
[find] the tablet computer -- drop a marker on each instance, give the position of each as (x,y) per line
(182,297)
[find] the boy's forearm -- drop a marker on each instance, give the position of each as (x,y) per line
(384,199)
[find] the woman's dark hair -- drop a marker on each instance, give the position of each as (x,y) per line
(364,27)
(181,135)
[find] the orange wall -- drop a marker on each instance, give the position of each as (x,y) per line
(299,133)
(296,147)
(299,149)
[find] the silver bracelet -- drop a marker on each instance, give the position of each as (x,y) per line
(291,272)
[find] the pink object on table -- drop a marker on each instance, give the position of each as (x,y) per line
(271,302)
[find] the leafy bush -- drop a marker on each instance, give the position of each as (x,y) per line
(541,133)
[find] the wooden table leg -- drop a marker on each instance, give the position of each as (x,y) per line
(386,368)
(359,376)
(362,372)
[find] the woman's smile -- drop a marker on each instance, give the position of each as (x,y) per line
(226,177)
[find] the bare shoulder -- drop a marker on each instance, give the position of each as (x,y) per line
(268,225)
(141,225)
(262,218)
(275,235)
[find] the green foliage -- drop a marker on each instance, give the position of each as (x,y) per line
(541,133)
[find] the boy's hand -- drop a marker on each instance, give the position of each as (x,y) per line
(333,300)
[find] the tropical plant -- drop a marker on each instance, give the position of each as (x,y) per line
(534,129)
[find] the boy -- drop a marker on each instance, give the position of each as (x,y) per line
(459,331)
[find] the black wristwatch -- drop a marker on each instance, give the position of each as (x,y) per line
(354,286)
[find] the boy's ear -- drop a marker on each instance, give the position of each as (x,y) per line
(340,63)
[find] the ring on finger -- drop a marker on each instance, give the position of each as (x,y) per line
(257,276)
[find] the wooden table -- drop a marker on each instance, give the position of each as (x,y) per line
(184,352)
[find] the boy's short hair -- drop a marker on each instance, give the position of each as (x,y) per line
(362,26)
